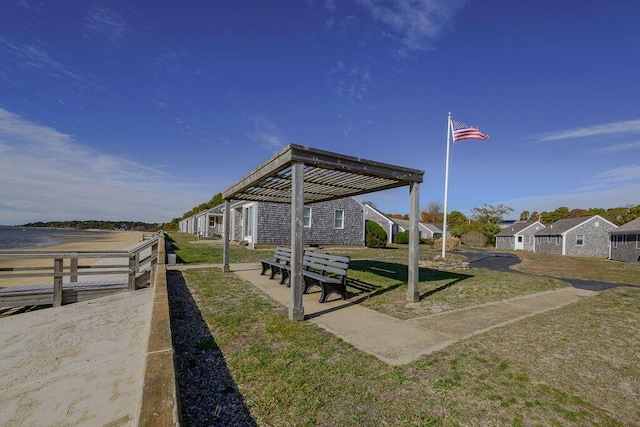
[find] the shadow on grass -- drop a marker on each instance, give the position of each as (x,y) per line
(397,271)
(208,393)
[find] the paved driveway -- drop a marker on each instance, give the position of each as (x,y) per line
(502,261)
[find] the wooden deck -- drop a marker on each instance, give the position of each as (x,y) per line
(42,294)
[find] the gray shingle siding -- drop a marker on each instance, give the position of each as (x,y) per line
(625,247)
(506,239)
(505,242)
(625,242)
(563,234)
(549,244)
(274,224)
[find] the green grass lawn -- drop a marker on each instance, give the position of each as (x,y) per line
(577,365)
(573,366)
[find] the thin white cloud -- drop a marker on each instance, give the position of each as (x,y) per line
(415,22)
(105,24)
(616,148)
(608,189)
(29,56)
(47,175)
(630,126)
(613,177)
(351,81)
(623,195)
(266,132)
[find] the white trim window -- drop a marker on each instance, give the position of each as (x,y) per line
(306,217)
(638,241)
(579,239)
(338,219)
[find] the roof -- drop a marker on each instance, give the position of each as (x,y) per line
(326,175)
(404,223)
(632,227)
(561,226)
(515,228)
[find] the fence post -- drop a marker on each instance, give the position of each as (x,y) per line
(132,272)
(154,262)
(74,268)
(57,282)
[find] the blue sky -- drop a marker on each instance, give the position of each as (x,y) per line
(141,110)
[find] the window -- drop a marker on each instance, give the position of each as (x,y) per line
(306,217)
(579,239)
(519,239)
(527,239)
(338,219)
(637,241)
(623,238)
(614,239)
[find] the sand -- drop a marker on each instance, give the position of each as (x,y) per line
(111,240)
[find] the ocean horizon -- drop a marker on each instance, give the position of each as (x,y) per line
(36,237)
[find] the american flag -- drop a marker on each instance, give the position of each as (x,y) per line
(463,131)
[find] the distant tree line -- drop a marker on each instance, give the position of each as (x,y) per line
(618,216)
(173,224)
(97,225)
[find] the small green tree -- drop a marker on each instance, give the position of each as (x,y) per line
(375,236)
(401,238)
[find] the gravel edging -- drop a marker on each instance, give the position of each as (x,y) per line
(208,393)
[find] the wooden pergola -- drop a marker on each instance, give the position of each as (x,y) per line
(300,175)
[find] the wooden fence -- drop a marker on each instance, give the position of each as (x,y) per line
(116,270)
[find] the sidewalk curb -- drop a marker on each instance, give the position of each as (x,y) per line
(160,403)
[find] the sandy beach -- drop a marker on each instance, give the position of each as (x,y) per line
(110,240)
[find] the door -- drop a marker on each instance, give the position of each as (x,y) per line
(248,222)
(519,242)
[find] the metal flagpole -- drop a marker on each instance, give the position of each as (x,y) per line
(446,190)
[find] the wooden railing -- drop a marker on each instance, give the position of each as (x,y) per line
(140,269)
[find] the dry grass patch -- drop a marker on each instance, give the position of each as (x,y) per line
(588,268)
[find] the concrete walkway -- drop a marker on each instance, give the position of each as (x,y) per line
(79,364)
(401,341)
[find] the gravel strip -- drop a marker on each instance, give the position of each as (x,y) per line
(208,394)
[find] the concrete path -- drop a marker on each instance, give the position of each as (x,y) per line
(79,364)
(401,341)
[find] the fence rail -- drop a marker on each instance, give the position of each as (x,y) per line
(139,269)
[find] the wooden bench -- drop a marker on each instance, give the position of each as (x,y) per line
(280,264)
(327,271)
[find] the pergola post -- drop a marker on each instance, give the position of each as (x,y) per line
(296,310)
(226,219)
(413,293)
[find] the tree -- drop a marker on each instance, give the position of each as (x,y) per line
(432,213)
(456,218)
(535,216)
(524,216)
(490,214)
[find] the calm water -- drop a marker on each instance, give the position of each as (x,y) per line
(20,237)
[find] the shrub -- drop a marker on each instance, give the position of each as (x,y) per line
(474,239)
(402,237)
(428,242)
(453,243)
(375,236)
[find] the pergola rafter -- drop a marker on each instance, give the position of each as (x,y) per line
(300,175)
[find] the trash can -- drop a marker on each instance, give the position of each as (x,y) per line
(171,259)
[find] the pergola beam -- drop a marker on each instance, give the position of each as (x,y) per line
(301,175)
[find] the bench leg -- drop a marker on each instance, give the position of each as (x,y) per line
(284,275)
(274,270)
(329,288)
(265,267)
